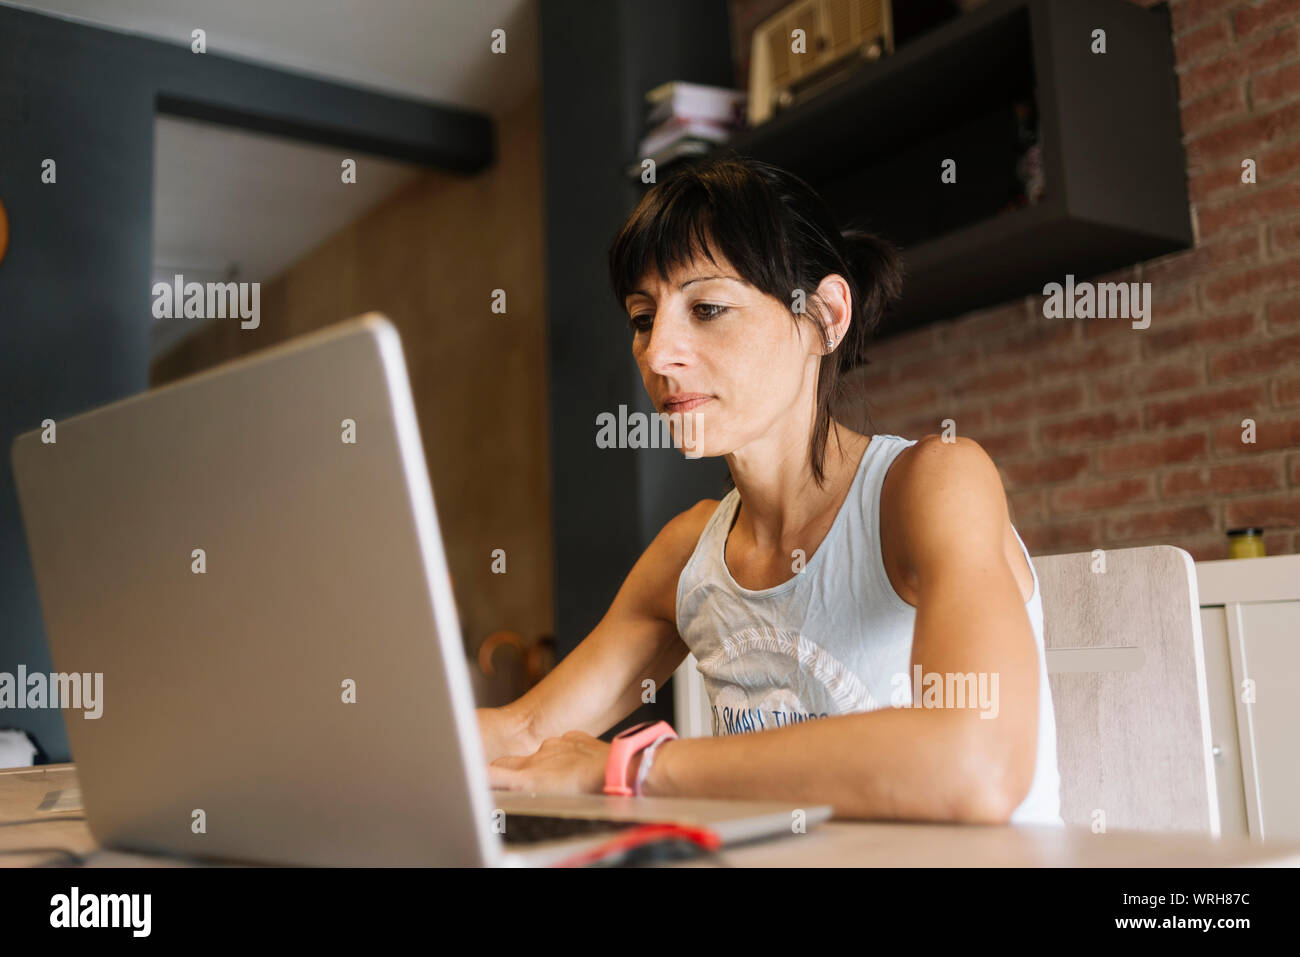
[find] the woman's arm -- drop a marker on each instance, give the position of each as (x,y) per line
(601,681)
(949,510)
(941,764)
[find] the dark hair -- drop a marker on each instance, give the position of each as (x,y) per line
(780,236)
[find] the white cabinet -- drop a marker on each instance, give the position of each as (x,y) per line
(1223,723)
(1250,622)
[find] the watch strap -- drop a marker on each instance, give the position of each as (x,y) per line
(622,749)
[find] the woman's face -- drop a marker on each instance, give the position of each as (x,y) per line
(714,348)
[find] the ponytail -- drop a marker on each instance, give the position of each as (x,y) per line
(877,269)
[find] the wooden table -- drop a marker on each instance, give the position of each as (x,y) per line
(853,844)
(22,792)
(834,844)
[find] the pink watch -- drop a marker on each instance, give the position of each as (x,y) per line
(624,746)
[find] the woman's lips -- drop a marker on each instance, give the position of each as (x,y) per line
(685,405)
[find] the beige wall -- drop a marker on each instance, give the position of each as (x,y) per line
(429,257)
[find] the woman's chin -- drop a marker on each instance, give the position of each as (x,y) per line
(692,448)
(689,431)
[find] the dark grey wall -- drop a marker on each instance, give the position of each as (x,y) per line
(598,62)
(75,284)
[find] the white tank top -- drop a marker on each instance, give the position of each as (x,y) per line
(832,639)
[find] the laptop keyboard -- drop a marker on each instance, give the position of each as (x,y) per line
(534,828)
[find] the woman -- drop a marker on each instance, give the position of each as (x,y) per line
(841,576)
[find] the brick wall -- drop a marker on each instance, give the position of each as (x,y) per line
(1107,436)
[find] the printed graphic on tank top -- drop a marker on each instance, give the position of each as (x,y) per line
(831,639)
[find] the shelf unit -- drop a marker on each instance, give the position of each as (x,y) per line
(1108,126)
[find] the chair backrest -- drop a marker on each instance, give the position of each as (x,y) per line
(1127,669)
(1125,659)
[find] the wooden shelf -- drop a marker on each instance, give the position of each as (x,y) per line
(1108,128)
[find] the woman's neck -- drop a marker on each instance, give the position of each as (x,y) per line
(780,500)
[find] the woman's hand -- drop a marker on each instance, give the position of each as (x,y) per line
(572,764)
(501,734)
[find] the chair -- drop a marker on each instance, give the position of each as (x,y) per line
(1127,667)
(1127,670)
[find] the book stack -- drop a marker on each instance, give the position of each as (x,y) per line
(687,119)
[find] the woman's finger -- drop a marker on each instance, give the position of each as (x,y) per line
(503,779)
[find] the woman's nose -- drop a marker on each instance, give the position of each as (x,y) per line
(668,347)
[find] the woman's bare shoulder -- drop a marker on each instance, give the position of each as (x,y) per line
(685,529)
(936,472)
(674,545)
(652,583)
(939,496)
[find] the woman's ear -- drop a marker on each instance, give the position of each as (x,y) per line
(837,302)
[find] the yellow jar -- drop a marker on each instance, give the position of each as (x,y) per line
(1245,543)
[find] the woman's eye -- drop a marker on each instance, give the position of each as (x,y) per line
(642,321)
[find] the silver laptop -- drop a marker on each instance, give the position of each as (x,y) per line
(251,560)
